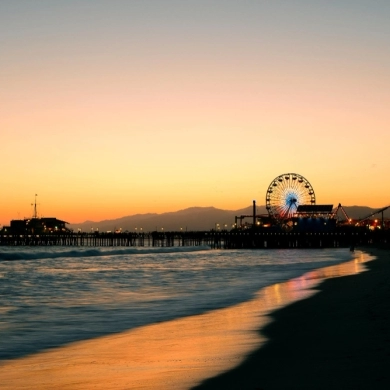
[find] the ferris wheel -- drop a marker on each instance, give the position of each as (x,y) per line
(285,193)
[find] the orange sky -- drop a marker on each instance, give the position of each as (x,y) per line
(115,108)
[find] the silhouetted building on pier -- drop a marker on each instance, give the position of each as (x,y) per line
(314,218)
(36,226)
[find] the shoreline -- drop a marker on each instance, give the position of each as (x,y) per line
(176,354)
(338,338)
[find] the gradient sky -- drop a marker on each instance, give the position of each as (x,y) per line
(113,108)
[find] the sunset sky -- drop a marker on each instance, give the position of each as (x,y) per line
(113,108)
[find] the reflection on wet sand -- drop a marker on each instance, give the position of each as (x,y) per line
(175,354)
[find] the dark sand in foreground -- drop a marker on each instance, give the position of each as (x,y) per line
(336,339)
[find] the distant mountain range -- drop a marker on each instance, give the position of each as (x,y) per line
(194,218)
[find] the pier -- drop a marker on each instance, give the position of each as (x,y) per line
(237,239)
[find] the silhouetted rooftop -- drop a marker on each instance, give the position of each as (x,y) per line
(315,208)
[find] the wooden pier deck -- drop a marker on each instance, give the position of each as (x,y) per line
(214,239)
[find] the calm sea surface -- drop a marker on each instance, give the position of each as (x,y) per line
(53,296)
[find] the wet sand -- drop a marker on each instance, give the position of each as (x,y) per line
(336,339)
(181,354)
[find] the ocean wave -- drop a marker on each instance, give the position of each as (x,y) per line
(95,252)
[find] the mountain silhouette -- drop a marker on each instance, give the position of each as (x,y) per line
(194,218)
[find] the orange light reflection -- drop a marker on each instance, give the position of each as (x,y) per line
(176,354)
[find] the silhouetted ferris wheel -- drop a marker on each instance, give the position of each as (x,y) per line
(285,193)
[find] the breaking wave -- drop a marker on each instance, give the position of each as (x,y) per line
(9,255)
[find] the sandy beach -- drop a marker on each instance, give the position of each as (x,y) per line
(336,339)
(175,354)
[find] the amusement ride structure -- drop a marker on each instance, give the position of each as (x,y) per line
(286,193)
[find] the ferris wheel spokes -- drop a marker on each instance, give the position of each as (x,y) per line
(285,193)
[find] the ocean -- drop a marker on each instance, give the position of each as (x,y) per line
(50,297)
